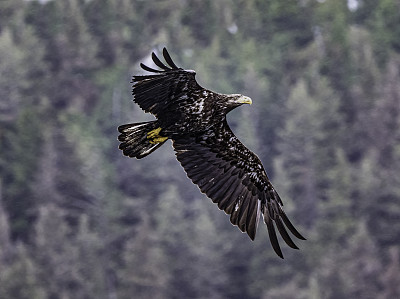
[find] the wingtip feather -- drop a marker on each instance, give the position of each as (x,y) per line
(149,69)
(158,62)
(168,59)
(272,235)
(284,234)
(290,226)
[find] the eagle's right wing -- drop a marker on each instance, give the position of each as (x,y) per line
(233,177)
(167,89)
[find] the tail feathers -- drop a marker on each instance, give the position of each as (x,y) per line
(134,139)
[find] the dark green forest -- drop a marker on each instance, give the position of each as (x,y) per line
(80,220)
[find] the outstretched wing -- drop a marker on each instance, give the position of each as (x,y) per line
(234,178)
(167,89)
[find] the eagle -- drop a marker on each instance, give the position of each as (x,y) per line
(194,118)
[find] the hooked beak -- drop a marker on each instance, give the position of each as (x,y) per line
(244,100)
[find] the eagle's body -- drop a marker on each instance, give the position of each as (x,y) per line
(194,118)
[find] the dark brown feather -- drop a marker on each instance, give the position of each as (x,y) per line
(272,234)
(168,59)
(234,179)
(158,62)
(149,69)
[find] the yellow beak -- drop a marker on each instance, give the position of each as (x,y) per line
(244,100)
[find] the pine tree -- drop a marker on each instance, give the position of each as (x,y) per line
(350,271)
(12,72)
(4,231)
(18,276)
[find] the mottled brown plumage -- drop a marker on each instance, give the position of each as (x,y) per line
(194,119)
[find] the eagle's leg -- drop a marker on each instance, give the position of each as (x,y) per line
(154,136)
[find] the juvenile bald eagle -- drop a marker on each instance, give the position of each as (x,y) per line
(194,119)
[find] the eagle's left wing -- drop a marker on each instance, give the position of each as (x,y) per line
(166,89)
(234,178)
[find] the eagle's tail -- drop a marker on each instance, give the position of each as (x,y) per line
(140,139)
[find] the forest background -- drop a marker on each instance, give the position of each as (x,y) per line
(80,220)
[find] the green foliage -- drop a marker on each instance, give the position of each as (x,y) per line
(18,278)
(79,220)
(385,29)
(21,144)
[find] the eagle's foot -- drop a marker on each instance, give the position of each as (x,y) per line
(154,136)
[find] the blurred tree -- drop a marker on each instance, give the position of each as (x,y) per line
(384,158)
(385,29)
(144,269)
(364,12)
(18,276)
(9,10)
(200,17)
(70,260)
(5,240)
(91,223)
(353,277)
(333,19)
(12,72)
(21,145)
(70,52)
(390,276)
(298,150)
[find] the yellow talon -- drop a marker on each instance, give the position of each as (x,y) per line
(154,136)
(158,140)
(154,133)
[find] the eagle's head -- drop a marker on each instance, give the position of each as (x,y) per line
(235,100)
